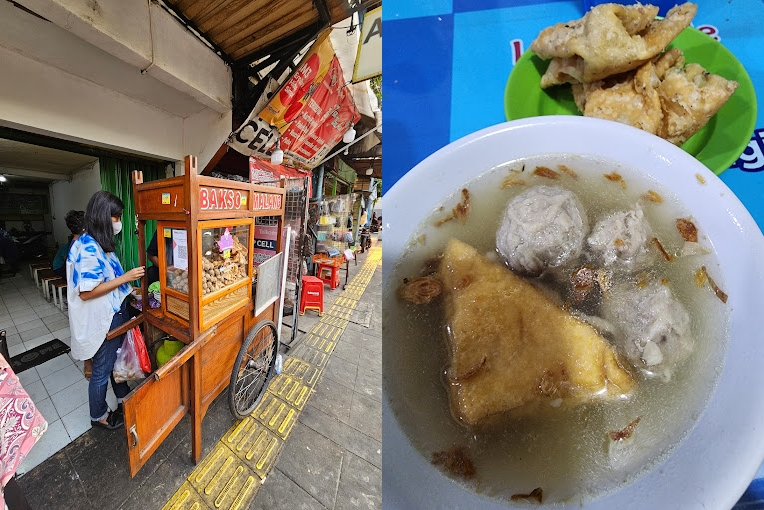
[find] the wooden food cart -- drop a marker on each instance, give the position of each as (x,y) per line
(209,301)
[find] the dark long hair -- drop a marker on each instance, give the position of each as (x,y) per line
(101,207)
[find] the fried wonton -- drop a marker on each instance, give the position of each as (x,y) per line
(513,349)
(663,97)
(610,39)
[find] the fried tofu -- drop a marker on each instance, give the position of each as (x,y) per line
(513,350)
(690,96)
(663,97)
(610,39)
(630,98)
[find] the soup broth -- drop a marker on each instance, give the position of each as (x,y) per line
(569,455)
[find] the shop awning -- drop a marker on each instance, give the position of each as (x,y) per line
(244,29)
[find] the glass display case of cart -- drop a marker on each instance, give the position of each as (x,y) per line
(173,277)
(224,274)
(225,279)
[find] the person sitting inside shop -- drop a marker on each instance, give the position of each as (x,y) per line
(75,222)
(152,252)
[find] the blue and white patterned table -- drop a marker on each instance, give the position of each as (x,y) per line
(446,64)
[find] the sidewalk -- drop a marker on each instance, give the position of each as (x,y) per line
(329,458)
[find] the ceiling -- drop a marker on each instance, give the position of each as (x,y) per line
(33,162)
(245,28)
(361,162)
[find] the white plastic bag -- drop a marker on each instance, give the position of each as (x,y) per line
(127,367)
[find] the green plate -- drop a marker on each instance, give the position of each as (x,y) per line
(718,145)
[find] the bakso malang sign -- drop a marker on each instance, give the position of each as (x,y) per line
(223,199)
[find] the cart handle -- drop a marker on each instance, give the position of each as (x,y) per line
(124,328)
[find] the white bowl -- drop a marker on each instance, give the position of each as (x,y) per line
(713,466)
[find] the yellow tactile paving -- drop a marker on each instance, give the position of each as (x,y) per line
(302,371)
(254,444)
(223,480)
(276,414)
(231,474)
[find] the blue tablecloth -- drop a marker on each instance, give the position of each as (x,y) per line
(446,64)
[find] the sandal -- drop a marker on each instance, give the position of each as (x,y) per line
(113,421)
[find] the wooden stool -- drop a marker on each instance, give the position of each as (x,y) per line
(312,295)
(47,281)
(37,265)
(37,269)
(59,289)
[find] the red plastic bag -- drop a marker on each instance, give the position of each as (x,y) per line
(140,349)
(132,357)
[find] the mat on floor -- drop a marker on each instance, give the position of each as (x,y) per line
(38,355)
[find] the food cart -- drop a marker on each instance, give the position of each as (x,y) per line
(213,300)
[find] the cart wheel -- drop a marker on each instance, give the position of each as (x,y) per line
(253,369)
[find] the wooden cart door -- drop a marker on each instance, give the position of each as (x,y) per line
(153,409)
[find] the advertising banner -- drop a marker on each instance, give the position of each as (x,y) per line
(313,109)
(368,60)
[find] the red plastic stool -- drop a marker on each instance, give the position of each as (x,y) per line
(329,274)
(312,295)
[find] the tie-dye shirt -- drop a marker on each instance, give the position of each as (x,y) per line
(87,266)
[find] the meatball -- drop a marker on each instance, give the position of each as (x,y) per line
(654,327)
(621,239)
(543,226)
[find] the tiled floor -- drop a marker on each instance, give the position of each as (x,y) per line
(58,387)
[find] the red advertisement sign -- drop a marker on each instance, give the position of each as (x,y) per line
(327,114)
(313,109)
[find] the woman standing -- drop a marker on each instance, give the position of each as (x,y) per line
(96,291)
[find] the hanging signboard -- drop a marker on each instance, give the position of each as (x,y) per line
(291,99)
(320,126)
(368,60)
(255,136)
(313,109)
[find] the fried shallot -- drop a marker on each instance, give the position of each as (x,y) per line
(420,291)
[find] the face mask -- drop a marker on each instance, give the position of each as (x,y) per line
(116,226)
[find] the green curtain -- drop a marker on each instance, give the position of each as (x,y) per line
(116,177)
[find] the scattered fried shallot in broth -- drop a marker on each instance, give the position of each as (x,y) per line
(616,177)
(420,291)
(624,433)
(567,170)
(652,196)
(456,460)
(460,211)
(688,230)
(544,171)
(719,292)
(536,494)
(512,181)
(666,255)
